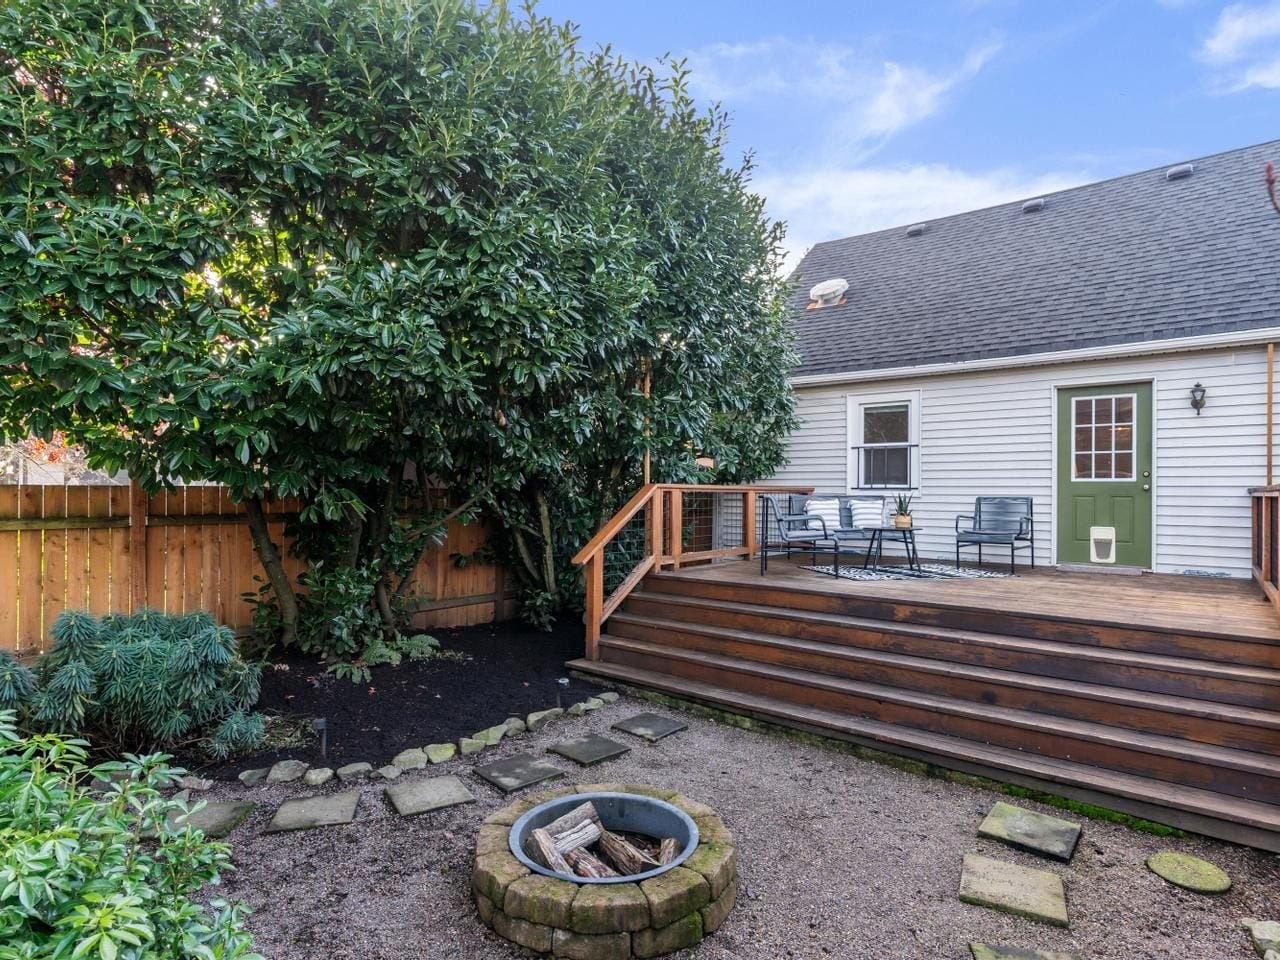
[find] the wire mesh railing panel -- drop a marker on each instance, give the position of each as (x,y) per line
(697,521)
(625,552)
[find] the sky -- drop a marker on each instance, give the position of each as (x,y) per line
(865,115)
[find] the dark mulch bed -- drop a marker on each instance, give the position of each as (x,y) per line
(511,670)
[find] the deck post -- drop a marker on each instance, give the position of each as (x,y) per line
(749,522)
(655,528)
(674,523)
(595,603)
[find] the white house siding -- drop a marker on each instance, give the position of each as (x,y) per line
(992,432)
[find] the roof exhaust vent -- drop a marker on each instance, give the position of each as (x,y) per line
(1034,206)
(916,229)
(1180,172)
(828,293)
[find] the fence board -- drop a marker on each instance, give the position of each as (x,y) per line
(191,549)
(9,592)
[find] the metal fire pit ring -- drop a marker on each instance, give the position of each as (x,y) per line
(619,812)
(640,916)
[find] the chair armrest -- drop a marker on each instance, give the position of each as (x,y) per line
(963,516)
(806,518)
(1026,525)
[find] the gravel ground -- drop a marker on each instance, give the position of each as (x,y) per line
(840,857)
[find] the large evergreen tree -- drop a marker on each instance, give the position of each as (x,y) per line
(346,250)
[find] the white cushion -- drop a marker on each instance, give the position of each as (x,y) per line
(828,508)
(867,513)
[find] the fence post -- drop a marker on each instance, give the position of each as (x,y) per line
(138,502)
(749,522)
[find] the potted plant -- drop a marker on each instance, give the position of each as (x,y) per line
(902,511)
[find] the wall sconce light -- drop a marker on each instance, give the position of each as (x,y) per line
(1197,398)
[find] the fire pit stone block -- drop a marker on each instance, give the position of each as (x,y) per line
(591,946)
(718,864)
(685,932)
(540,899)
(494,872)
(609,908)
(675,894)
(616,921)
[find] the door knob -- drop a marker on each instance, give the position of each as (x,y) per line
(1146,473)
(1146,486)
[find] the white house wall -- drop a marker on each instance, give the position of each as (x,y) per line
(993,433)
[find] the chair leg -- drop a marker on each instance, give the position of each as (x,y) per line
(979,554)
(957,554)
(1033,553)
(1013,553)
(835,560)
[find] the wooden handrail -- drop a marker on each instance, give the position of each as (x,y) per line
(651,497)
(615,523)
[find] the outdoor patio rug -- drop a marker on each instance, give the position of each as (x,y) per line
(927,571)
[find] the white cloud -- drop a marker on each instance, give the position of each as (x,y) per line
(1245,46)
(1240,30)
(868,97)
(826,203)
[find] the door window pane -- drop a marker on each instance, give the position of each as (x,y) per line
(1103,441)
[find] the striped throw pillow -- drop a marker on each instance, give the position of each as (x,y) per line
(867,513)
(828,508)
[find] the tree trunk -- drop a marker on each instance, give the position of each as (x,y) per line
(548,548)
(269,556)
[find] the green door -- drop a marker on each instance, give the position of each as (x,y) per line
(1104,472)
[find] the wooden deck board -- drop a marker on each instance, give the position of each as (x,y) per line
(1158,601)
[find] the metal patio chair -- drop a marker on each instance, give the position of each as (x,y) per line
(1003,521)
(786,517)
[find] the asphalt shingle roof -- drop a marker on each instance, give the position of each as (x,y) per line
(1138,258)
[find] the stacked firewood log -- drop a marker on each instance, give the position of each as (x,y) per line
(578,843)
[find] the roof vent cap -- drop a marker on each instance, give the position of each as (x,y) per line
(1180,172)
(916,229)
(828,292)
(1034,206)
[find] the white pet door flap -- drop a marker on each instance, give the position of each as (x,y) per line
(1102,544)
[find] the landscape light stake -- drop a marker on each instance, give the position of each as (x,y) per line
(562,687)
(321,726)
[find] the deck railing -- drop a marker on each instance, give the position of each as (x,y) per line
(666,525)
(1266,540)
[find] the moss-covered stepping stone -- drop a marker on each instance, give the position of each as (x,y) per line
(1189,873)
(1028,830)
(1021,891)
(216,819)
(982,951)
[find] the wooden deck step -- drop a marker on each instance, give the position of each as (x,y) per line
(1244,685)
(1087,627)
(1214,814)
(1234,772)
(1229,725)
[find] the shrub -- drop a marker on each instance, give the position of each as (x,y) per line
(77,878)
(139,682)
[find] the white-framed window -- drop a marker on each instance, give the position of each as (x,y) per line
(884,432)
(1104,439)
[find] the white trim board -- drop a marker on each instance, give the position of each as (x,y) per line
(1242,338)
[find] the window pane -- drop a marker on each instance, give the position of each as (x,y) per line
(1124,466)
(1084,410)
(886,467)
(1102,438)
(1084,466)
(1102,466)
(1102,409)
(1084,439)
(885,424)
(1124,409)
(1124,438)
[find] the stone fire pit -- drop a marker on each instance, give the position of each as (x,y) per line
(656,913)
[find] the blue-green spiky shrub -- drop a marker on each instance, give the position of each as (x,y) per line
(140,681)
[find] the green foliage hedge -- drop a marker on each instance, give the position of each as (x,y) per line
(139,681)
(333,248)
(101,874)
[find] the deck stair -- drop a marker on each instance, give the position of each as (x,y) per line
(1178,725)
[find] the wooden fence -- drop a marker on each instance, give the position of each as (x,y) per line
(105,548)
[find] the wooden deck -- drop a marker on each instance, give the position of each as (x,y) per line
(1156,695)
